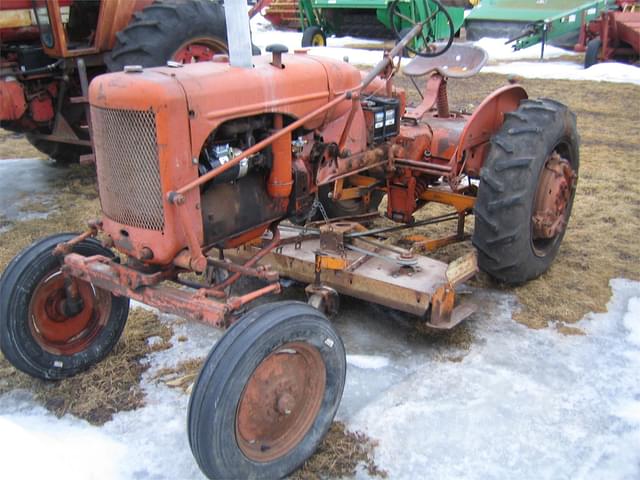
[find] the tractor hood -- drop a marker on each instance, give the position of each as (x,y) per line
(216,92)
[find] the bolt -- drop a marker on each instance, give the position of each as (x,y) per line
(286,404)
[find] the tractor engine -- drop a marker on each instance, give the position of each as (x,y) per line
(156,130)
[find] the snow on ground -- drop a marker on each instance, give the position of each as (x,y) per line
(521,404)
(499,50)
(27,185)
(602,72)
(502,58)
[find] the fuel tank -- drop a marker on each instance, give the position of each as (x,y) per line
(149,126)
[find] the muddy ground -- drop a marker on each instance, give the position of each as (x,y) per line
(601,242)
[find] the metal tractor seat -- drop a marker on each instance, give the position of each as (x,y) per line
(460,61)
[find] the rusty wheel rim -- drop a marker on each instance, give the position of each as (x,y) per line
(280,401)
(52,329)
(552,202)
(200,49)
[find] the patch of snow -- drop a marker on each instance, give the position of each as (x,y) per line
(35,444)
(24,184)
(499,50)
(602,72)
(372,362)
(522,404)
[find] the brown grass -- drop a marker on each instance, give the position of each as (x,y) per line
(601,241)
(339,455)
(111,386)
(15,145)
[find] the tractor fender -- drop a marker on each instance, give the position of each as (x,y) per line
(485,121)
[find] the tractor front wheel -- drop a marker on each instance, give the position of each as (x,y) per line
(267,393)
(527,186)
(43,331)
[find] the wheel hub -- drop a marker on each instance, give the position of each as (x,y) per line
(555,189)
(51,326)
(198,50)
(280,401)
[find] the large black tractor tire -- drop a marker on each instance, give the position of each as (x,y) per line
(163,29)
(535,141)
(62,153)
(38,334)
(267,393)
(592,52)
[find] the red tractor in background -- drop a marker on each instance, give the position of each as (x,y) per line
(51,49)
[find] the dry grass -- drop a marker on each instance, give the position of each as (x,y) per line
(600,243)
(339,455)
(114,384)
(111,386)
(15,145)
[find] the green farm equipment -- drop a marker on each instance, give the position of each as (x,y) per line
(371,19)
(529,22)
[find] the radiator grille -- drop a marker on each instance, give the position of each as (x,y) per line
(126,150)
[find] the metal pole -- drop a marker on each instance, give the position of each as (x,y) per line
(238,33)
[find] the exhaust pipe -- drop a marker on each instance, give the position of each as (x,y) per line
(238,33)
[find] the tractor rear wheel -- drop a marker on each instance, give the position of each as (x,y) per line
(44,334)
(527,186)
(186,32)
(267,393)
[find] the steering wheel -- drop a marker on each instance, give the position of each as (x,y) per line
(435,12)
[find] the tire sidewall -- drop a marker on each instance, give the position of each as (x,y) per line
(507,253)
(18,343)
(221,420)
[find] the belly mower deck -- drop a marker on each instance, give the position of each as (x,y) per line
(342,258)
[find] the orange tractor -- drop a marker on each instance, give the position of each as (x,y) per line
(199,165)
(51,49)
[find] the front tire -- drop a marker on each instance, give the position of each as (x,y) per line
(267,393)
(527,186)
(37,335)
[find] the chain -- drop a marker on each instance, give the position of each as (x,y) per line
(315,206)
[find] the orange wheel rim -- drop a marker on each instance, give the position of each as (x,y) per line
(552,200)
(198,50)
(280,402)
(58,333)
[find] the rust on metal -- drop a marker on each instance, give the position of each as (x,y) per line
(280,401)
(555,189)
(61,332)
